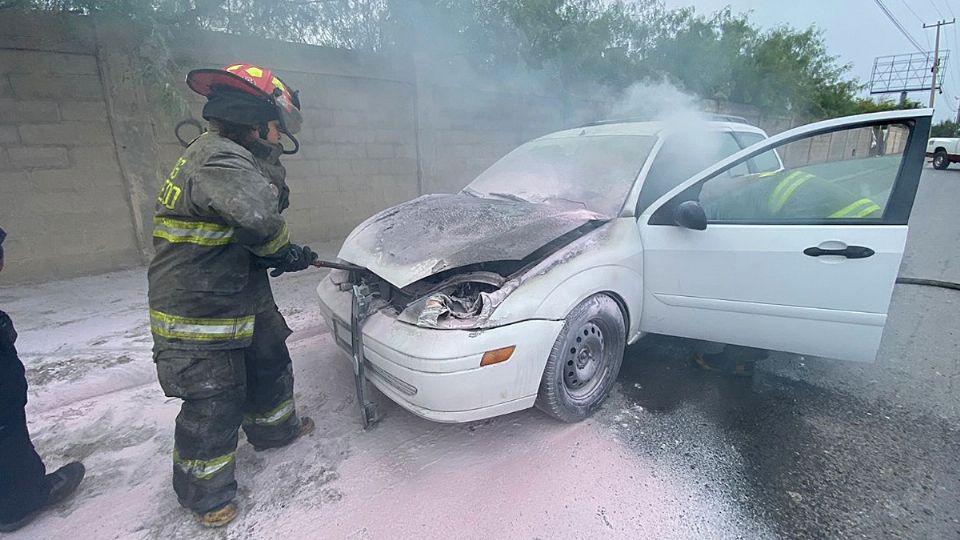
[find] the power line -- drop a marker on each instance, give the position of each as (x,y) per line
(934,4)
(952,74)
(899,26)
(953,79)
(919,19)
(956,49)
(949,9)
(955,44)
(906,5)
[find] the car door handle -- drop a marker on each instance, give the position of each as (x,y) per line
(850,252)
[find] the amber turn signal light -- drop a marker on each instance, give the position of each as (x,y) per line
(497,356)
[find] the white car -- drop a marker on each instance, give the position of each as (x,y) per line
(943,151)
(525,288)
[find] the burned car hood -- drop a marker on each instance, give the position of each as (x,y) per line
(433,233)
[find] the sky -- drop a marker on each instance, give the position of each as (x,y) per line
(857,31)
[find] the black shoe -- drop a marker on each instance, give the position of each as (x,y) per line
(63,482)
(19,524)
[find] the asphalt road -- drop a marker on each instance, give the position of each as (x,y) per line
(825,449)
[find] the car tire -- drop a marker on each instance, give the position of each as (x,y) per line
(940,160)
(585,360)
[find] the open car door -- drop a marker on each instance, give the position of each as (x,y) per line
(800,259)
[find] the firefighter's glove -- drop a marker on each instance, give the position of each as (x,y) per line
(293,258)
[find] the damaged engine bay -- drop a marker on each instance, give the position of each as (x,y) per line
(461,296)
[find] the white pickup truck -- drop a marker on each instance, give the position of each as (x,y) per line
(944,151)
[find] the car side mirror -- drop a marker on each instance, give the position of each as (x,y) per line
(690,215)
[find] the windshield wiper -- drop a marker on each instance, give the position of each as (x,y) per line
(571,201)
(472,192)
(509,197)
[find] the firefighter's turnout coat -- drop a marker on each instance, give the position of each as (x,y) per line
(217,215)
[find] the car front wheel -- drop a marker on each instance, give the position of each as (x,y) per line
(585,360)
(940,160)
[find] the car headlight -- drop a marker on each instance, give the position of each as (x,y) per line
(341,279)
(464,304)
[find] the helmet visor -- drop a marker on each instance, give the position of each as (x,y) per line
(290,117)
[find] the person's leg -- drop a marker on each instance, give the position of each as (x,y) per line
(730,359)
(23,488)
(23,485)
(212,387)
(270,418)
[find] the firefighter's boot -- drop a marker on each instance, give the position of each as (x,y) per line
(721,363)
(306,427)
(219,517)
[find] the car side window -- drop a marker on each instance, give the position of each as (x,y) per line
(683,156)
(765,162)
(845,174)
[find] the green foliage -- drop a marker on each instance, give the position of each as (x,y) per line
(573,45)
(867,105)
(569,43)
(342,23)
(947,128)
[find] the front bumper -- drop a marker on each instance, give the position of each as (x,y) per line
(435,373)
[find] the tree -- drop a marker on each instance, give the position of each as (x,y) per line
(783,70)
(571,45)
(340,23)
(947,128)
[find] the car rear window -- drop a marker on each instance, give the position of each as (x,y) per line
(765,162)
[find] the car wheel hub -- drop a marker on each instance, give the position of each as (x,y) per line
(585,359)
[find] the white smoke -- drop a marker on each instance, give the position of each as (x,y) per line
(657,100)
(689,146)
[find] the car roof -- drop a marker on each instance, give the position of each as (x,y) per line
(648,129)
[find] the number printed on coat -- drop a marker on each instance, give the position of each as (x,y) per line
(170,192)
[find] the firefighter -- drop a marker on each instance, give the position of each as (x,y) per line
(800,194)
(785,194)
(25,488)
(219,339)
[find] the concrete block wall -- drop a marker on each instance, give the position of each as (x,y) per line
(358,156)
(63,200)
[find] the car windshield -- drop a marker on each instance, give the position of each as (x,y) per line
(595,171)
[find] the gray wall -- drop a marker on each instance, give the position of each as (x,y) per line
(63,199)
(84,146)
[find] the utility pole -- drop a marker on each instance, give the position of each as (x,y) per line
(936,58)
(958,110)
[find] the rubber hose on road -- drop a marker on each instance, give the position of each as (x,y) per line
(929,283)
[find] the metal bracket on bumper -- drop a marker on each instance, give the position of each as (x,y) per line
(360,310)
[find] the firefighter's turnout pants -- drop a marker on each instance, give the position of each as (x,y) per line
(222,391)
